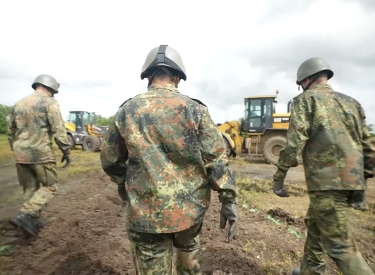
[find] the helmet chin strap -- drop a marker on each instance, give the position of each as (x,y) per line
(313,79)
(167,72)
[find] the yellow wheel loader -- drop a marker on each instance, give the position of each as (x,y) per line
(82,130)
(262,131)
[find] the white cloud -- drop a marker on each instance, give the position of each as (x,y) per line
(234,49)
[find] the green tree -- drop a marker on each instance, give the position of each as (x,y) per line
(105,121)
(4,113)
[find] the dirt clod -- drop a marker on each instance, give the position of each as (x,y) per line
(282,214)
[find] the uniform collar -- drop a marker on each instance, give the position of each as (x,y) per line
(168,87)
(322,86)
(40,94)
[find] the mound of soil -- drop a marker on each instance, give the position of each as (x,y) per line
(282,214)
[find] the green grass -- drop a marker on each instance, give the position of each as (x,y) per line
(82,161)
(256,195)
(5,152)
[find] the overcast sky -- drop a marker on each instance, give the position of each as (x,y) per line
(231,49)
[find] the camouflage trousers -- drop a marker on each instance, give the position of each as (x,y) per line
(40,183)
(329,232)
(153,253)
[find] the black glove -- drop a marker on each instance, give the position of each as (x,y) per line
(68,160)
(357,199)
(122,193)
(228,213)
(278,184)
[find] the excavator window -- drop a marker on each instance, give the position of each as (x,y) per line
(92,118)
(258,115)
(72,117)
(268,112)
(76,118)
(255,113)
(86,119)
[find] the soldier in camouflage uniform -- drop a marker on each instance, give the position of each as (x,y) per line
(329,129)
(166,154)
(32,123)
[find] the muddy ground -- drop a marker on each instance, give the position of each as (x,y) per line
(85,233)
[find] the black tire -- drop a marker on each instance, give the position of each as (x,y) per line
(71,141)
(91,143)
(272,147)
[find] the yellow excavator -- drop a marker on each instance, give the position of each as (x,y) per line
(262,131)
(83,130)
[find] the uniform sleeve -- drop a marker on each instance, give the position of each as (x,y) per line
(114,154)
(11,128)
(221,177)
(368,149)
(57,126)
(297,135)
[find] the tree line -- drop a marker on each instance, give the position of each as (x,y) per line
(5,111)
(104,121)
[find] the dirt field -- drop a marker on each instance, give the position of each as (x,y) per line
(85,233)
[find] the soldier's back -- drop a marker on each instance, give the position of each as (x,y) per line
(33,134)
(333,156)
(166,177)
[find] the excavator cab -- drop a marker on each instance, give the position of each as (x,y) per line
(262,131)
(260,115)
(82,130)
(82,120)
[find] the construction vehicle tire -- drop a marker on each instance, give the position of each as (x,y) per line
(272,148)
(91,143)
(71,141)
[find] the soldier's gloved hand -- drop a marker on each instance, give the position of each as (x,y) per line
(68,160)
(357,199)
(228,214)
(278,184)
(122,193)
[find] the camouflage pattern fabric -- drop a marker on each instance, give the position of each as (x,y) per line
(329,128)
(152,253)
(328,231)
(32,123)
(175,155)
(40,184)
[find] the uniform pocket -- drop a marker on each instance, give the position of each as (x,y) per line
(50,176)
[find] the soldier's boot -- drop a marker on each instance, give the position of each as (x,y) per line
(40,224)
(25,221)
(296,271)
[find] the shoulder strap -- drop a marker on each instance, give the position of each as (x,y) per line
(125,102)
(198,101)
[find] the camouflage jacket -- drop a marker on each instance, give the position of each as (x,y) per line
(32,123)
(329,129)
(169,154)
